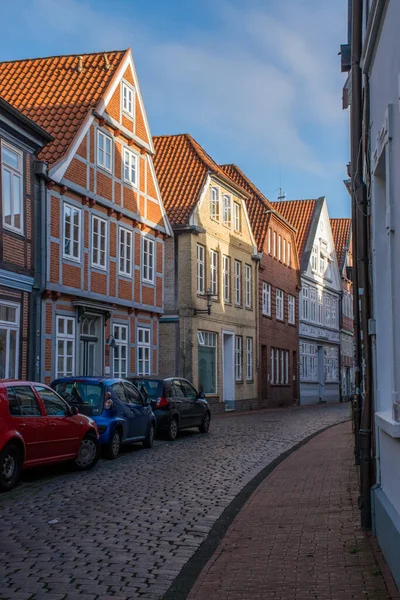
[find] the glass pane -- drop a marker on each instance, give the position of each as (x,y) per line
(3,349)
(54,406)
(17,202)
(10,157)
(12,357)
(6,184)
(70,348)
(70,326)
(27,401)
(207,369)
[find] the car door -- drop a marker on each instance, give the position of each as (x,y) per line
(121,407)
(139,411)
(27,417)
(194,409)
(63,431)
(181,402)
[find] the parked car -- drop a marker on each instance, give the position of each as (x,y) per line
(37,428)
(175,403)
(122,414)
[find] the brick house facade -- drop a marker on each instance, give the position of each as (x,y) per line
(278,291)
(103,219)
(20,139)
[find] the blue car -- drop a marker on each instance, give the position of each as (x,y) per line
(120,411)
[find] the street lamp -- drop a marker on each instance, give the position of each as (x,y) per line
(208,295)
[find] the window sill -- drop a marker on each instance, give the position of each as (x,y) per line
(9,229)
(145,282)
(384,420)
(130,184)
(292,324)
(249,381)
(128,114)
(266,316)
(98,268)
(280,320)
(75,261)
(125,275)
(108,171)
(280,385)
(249,308)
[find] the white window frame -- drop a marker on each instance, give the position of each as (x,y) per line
(284,251)
(289,257)
(143,347)
(272,365)
(130,158)
(266,299)
(131,100)
(279,247)
(308,362)
(313,305)
(71,255)
(148,260)
(214,203)
(19,174)
(274,244)
(105,137)
(236,216)
(269,239)
(305,309)
(249,358)
(248,286)
(226,277)
(9,326)
(238,358)
(201,283)
(237,272)
(314,259)
(214,272)
(279,305)
(65,338)
(227,210)
(121,346)
(127,258)
(286,367)
(282,367)
(101,262)
(291,310)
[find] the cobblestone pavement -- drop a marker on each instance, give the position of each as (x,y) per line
(125,529)
(298,537)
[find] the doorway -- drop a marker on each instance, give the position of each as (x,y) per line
(228,370)
(91,346)
(321,374)
(294,378)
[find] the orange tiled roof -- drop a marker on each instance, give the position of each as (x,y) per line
(181,166)
(341,231)
(257,204)
(299,213)
(52,92)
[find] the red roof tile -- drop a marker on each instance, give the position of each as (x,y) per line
(52,92)
(299,213)
(341,232)
(181,166)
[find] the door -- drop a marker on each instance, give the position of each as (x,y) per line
(121,407)
(91,347)
(321,374)
(228,372)
(194,410)
(180,401)
(28,418)
(63,430)
(140,413)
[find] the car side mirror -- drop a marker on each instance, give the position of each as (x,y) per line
(202,396)
(74,411)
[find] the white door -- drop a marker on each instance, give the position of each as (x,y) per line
(228,370)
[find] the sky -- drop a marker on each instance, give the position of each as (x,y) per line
(255,82)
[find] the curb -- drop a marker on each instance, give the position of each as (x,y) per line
(185,580)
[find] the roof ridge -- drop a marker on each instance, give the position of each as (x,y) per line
(256,190)
(20,60)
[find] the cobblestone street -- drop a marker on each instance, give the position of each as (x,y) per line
(127,528)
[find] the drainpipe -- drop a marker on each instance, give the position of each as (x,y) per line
(40,233)
(361,272)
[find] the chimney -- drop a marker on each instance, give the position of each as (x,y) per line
(79,68)
(106,62)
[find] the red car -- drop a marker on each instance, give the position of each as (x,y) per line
(37,427)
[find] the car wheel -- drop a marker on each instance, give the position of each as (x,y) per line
(172,430)
(88,453)
(205,425)
(114,445)
(10,467)
(149,439)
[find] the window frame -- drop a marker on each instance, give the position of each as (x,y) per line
(237,224)
(119,344)
(98,264)
(148,265)
(289,254)
(19,173)
(131,155)
(227,210)
(214,272)
(291,309)
(238,358)
(279,294)
(201,266)
(237,274)
(214,203)
(269,240)
(248,286)
(266,299)
(209,339)
(65,338)
(10,326)
(279,247)
(143,345)
(226,278)
(101,133)
(249,358)
(274,240)
(124,272)
(132,91)
(73,208)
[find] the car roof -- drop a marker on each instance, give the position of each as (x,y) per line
(86,379)
(20,382)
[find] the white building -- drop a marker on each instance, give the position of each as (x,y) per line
(319,300)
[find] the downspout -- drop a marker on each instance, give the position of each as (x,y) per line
(40,262)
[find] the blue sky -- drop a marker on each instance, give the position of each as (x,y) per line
(256,82)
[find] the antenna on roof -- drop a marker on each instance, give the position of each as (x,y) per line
(106,62)
(282,195)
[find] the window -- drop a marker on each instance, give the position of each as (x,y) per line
(308,362)
(277,365)
(328,273)
(143,351)
(272,361)
(200,269)
(238,282)
(214,272)
(313,305)
(238,357)
(249,358)
(279,305)
(314,258)
(104,152)
(279,247)
(226,262)
(130,167)
(304,303)
(12,178)
(331,364)
(334,321)
(9,340)
(289,247)
(214,203)
(282,371)
(120,333)
(119,391)
(248,286)
(284,251)
(65,346)
(148,260)
(322,265)
(72,232)
(125,252)
(236,216)
(207,362)
(55,407)
(320,308)
(292,309)
(286,367)
(99,242)
(227,204)
(327,311)
(269,240)
(274,250)
(132,394)
(127,99)
(22,402)
(266,299)
(188,390)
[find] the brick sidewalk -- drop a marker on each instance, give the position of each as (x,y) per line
(298,536)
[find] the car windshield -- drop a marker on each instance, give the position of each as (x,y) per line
(88,397)
(151,388)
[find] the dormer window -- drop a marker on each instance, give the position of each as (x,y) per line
(104,151)
(127,99)
(314,258)
(11,172)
